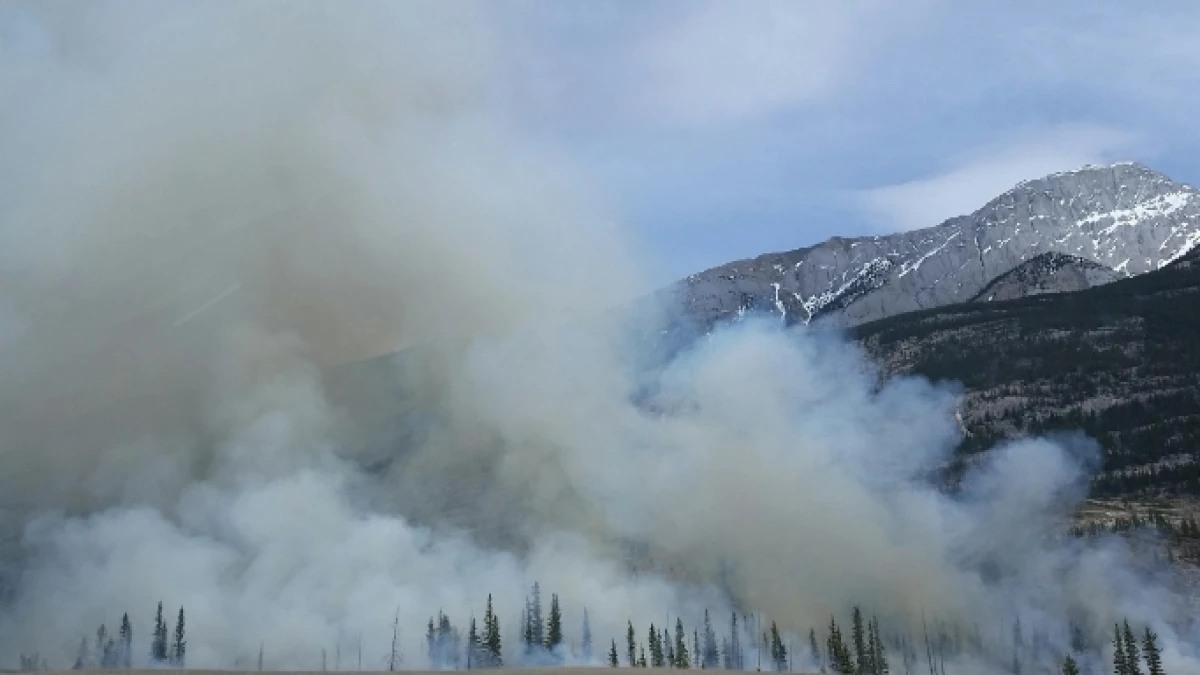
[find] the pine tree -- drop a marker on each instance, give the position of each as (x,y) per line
(1069,666)
(1120,662)
(841,660)
(860,644)
(697,654)
(106,649)
(126,643)
(490,649)
(612,655)
(179,648)
(1133,660)
(867,665)
(656,651)
(778,650)
(158,644)
(554,634)
(814,651)
(710,644)
(431,642)
(536,625)
(642,659)
(668,647)
(586,640)
(736,662)
(879,654)
(1152,653)
(631,646)
(473,645)
(682,658)
(394,652)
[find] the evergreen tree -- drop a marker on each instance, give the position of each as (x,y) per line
(101,640)
(1069,666)
(179,648)
(682,658)
(656,650)
(697,654)
(125,656)
(158,644)
(642,660)
(867,665)
(394,653)
(554,634)
(492,643)
(586,642)
(668,647)
(431,642)
(860,642)
(814,651)
(736,662)
(474,644)
(841,660)
(612,655)
(778,650)
(442,641)
(710,644)
(631,646)
(1152,653)
(1133,660)
(879,654)
(1120,662)
(536,625)
(528,635)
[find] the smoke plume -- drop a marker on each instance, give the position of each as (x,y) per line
(300,331)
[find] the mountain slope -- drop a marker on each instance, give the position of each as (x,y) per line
(1125,217)
(1120,362)
(1047,273)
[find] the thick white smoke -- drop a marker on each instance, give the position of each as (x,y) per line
(210,213)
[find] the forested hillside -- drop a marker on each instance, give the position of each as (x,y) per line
(1121,362)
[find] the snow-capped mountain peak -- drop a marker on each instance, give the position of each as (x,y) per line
(1125,217)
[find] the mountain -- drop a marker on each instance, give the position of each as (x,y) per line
(1120,362)
(1047,273)
(1125,217)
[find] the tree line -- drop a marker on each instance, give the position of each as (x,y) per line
(115,652)
(749,643)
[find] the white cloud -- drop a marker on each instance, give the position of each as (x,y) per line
(728,61)
(987,172)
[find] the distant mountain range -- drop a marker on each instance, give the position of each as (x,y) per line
(1070,302)
(1124,219)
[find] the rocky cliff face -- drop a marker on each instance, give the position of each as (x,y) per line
(1125,217)
(1047,273)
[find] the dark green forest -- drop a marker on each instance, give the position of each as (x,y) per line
(1119,362)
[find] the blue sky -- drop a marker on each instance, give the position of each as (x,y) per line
(722,129)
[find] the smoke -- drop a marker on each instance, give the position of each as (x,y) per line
(213,216)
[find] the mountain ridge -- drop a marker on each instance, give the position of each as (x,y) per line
(1124,216)
(1049,272)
